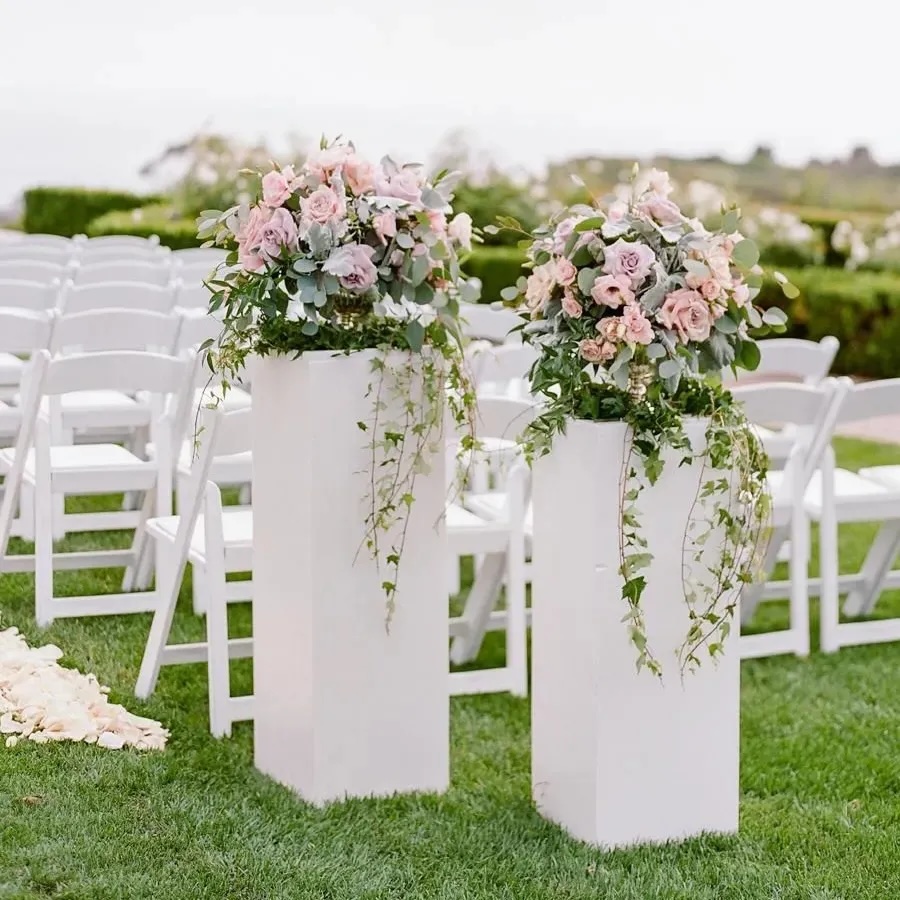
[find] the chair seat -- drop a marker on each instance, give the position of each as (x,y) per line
(11,369)
(469,533)
(887,476)
(89,468)
(235,469)
(492,505)
(857,498)
(237,530)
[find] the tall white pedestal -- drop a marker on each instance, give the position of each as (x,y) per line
(619,757)
(343,707)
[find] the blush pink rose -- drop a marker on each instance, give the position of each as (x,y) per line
(617,210)
(249,238)
(571,307)
(612,329)
(398,257)
(540,285)
(353,266)
(323,163)
(686,312)
(359,174)
(322,205)
(591,350)
(638,329)
(565,271)
(437,220)
(278,234)
(741,294)
(612,291)
(632,259)
(710,289)
(404,185)
(460,230)
(385,225)
(276,187)
(661,209)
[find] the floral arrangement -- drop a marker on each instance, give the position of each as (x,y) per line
(632,305)
(343,254)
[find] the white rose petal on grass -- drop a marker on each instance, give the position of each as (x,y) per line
(42,701)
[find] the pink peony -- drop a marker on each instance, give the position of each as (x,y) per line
(633,259)
(638,329)
(276,187)
(359,174)
(278,234)
(322,205)
(612,291)
(404,185)
(385,225)
(565,271)
(661,209)
(353,266)
(571,307)
(460,230)
(686,312)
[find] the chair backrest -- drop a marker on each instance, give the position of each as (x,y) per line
(47,240)
(195,329)
(137,271)
(793,359)
(32,270)
(117,242)
(121,295)
(198,257)
(813,411)
(870,400)
(482,322)
(192,296)
(128,371)
(34,295)
(27,252)
(503,418)
(115,329)
(24,330)
(493,368)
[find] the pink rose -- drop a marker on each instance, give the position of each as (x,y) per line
(322,205)
(404,185)
(323,163)
(686,312)
(608,351)
(353,266)
(540,285)
(398,257)
(612,329)
(359,174)
(565,271)
(276,187)
(617,211)
(249,238)
(591,350)
(638,329)
(632,259)
(437,220)
(660,208)
(710,289)
(279,233)
(741,294)
(612,290)
(385,225)
(563,232)
(460,230)
(571,307)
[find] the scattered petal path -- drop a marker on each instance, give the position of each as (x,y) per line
(42,701)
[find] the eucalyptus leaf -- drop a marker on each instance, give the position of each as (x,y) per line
(415,335)
(509,293)
(431,199)
(622,357)
(745,253)
(774,316)
(591,224)
(309,327)
(731,220)
(586,279)
(696,267)
(420,269)
(669,368)
(790,291)
(656,351)
(302,266)
(405,240)
(726,325)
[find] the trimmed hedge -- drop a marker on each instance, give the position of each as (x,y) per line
(176,233)
(497,267)
(861,309)
(69,211)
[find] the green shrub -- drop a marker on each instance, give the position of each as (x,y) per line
(177,233)
(861,309)
(69,211)
(499,197)
(497,267)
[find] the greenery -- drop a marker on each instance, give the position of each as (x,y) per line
(495,267)
(498,197)
(69,211)
(146,221)
(861,309)
(819,774)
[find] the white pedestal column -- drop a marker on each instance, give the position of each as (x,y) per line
(620,757)
(343,707)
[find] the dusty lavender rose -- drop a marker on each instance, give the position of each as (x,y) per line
(322,205)
(638,329)
(629,258)
(686,312)
(563,232)
(278,234)
(571,307)
(385,225)
(612,290)
(460,230)
(276,186)
(591,350)
(661,209)
(359,174)
(565,271)
(353,266)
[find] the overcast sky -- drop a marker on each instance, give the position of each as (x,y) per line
(91,89)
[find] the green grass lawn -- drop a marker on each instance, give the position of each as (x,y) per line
(820,782)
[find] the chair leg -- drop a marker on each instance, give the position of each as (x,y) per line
(26,513)
(479,605)
(861,600)
(199,591)
(137,575)
(752,595)
(43,552)
(799,592)
(516,618)
(829,570)
(167,589)
(218,655)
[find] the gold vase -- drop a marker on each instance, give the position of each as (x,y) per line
(640,377)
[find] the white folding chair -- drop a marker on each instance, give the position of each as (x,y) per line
(493,526)
(21,251)
(792,359)
(135,271)
(32,270)
(50,470)
(22,332)
(192,295)
(503,370)
(812,413)
(118,295)
(36,295)
(480,321)
(214,541)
